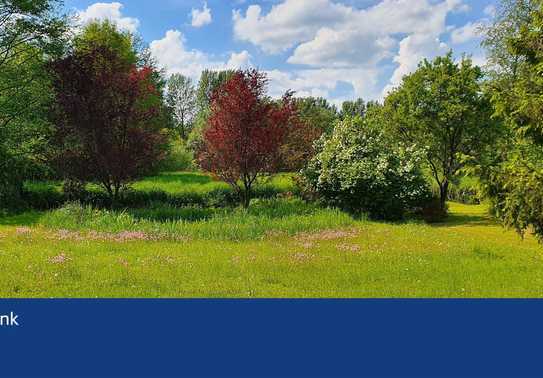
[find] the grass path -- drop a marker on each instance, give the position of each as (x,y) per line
(469,256)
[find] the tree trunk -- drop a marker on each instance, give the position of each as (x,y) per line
(183,132)
(246,196)
(444,195)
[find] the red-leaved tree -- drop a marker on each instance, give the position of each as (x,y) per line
(245,131)
(299,145)
(108,128)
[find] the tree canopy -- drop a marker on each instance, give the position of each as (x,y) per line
(515,180)
(442,109)
(108,116)
(31,33)
(181,100)
(246,130)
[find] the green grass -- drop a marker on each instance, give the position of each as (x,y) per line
(174,183)
(192,182)
(468,256)
(178,189)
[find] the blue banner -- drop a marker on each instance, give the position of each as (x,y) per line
(275,338)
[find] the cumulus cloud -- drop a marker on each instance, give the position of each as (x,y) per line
(172,54)
(288,23)
(322,82)
(350,48)
(338,39)
(324,23)
(413,49)
(108,11)
(201,17)
(240,60)
(332,46)
(466,33)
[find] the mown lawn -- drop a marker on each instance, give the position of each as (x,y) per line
(469,256)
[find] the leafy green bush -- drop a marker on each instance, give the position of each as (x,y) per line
(358,169)
(179,158)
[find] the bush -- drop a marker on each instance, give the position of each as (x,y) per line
(358,169)
(179,158)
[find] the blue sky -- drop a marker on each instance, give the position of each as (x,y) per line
(338,49)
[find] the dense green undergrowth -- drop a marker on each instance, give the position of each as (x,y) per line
(264,217)
(177,189)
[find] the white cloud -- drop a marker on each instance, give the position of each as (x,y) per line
(172,54)
(321,82)
(288,23)
(479,60)
(348,48)
(491,11)
(201,17)
(413,49)
(466,33)
(323,25)
(339,41)
(239,60)
(111,12)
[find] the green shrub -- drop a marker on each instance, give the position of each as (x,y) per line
(179,158)
(358,169)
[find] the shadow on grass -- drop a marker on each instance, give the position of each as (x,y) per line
(454,220)
(23,219)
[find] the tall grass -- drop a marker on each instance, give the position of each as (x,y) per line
(263,218)
(177,189)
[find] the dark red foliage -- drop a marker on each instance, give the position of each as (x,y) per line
(298,147)
(107,125)
(245,131)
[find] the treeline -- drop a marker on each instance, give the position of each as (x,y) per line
(92,106)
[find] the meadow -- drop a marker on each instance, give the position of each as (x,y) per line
(280,247)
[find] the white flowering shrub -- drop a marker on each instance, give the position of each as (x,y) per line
(358,169)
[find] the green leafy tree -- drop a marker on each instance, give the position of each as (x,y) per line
(31,33)
(511,15)
(209,82)
(515,181)
(442,109)
(130,47)
(181,100)
(317,112)
(353,108)
(106,33)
